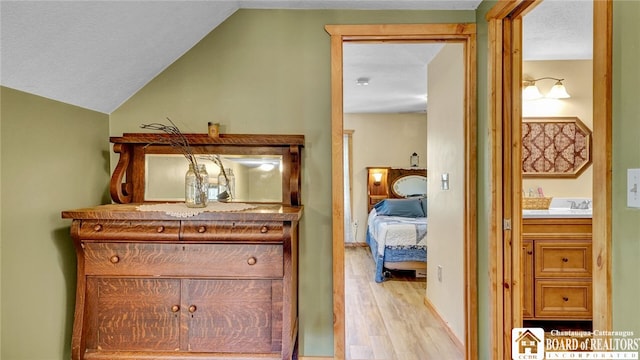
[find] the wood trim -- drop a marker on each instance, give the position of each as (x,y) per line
(337,197)
(602,168)
(402,32)
(496,270)
(515,169)
(464,33)
(502,9)
(505,76)
(471,199)
(444,325)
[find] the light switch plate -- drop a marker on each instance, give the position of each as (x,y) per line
(633,188)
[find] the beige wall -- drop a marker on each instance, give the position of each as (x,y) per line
(578,76)
(382,140)
(54,157)
(446,154)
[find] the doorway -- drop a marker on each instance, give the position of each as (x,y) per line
(458,33)
(505,38)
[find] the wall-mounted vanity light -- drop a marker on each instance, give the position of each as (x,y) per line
(377,178)
(414,160)
(531,92)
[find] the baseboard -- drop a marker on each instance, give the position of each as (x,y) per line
(445,326)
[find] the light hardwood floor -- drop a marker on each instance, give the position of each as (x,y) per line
(389,320)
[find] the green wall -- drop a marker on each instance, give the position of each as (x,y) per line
(54,157)
(268,71)
(626,154)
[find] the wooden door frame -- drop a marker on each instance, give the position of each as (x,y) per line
(505,45)
(459,33)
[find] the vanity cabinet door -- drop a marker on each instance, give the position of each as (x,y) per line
(234,315)
(133,314)
(527,278)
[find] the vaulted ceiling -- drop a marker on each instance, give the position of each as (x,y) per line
(97,54)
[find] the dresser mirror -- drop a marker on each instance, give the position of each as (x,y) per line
(555,147)
(258,178)
(266,167)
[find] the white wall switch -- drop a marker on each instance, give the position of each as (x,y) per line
(633,188)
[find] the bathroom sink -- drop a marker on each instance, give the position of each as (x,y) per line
(557,213)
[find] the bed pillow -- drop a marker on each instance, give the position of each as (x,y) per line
(423,202)
(400,207)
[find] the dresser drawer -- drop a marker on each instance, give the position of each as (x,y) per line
(562,259)
(129,230)
(210,260)
(231,230)
(563,299)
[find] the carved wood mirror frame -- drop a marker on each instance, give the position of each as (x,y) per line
(128,179)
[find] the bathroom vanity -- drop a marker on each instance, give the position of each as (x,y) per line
(556,265)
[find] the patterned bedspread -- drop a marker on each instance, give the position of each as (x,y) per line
(395,232)
(396,239)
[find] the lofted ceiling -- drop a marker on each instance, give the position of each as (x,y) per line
(97,54)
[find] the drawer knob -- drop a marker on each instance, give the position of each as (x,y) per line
(264,229)
(202,229)
(252,260)
(175,308)
(530,252)
(192,309)
(565,298)
(564,259)
(160,229)
(114,259)
(97,227)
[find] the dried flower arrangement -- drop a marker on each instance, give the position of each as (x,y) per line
(179,141)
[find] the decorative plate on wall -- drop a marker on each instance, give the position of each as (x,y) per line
(410,185)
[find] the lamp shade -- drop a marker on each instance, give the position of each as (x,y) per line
(377,178)
(558,91)
(531,92)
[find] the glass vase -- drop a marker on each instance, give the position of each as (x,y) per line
(196,186)
(226,185)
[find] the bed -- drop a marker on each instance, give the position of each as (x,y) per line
(397,242)
(397,220)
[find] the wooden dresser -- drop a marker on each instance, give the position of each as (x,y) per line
(556,263)
(154,286)
(215,285)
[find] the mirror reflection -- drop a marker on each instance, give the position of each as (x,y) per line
(257,178)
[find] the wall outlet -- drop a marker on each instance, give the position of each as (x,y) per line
(633,188)
(440,273)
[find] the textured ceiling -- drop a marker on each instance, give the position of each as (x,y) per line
(97,54)
(397,75)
